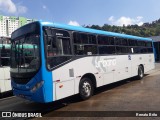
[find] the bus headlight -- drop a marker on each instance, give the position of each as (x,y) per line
(38,85)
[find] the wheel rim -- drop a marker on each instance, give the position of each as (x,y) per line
(86,89)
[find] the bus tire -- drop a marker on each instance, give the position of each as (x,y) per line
(85,88)
(140,72)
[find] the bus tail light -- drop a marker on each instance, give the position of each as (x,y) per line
(38,85)
(60,86)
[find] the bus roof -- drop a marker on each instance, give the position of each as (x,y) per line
(88,30)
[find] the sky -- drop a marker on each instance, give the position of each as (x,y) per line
(84,12)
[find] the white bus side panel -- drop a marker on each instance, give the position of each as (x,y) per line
(73,71)
(2,85)
(7,79)
(147,60)
(64,89)
(105,73)
(123,67)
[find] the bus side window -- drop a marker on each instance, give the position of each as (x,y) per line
(76,37)
(92,39)
(51,47)
(118,50)
(86,44)
(148,44)
(132,42)
(125,42)
(79,49)
(150,50)
(58,48)
(111,40)
(106,50)
(3,56)
(118,41)
(103,40)
(84,38)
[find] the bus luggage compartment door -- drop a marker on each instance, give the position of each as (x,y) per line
(64,89)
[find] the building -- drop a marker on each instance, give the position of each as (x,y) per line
(156,40)
(5,40)
(10,24)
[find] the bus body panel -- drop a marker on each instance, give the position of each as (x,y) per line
(46,76)
(2,81)
(106,69)
(147,60)
(5,81)
(123,67)
(42,94)
(64,89)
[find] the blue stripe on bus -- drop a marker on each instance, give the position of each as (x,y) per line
(82,29)
(46,75)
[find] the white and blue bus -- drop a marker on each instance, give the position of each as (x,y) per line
(5,81)
(67,60)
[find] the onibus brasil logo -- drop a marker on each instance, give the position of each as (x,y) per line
(101,63)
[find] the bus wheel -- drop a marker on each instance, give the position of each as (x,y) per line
(140,72)
(85,88)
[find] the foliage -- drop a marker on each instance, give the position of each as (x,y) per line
(146,30)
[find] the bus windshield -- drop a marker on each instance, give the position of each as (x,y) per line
(25,54)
